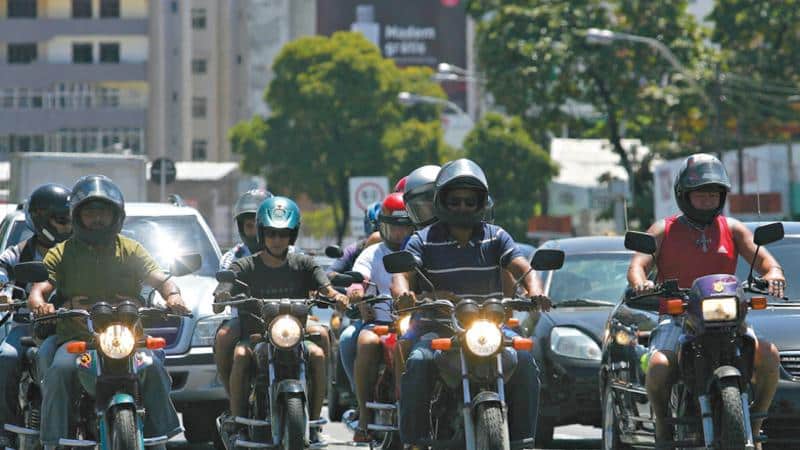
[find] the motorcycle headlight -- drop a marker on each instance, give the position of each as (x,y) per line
(117,341)
(720,309)
(404,323)
(483,338)
(206,329)
(285,331)
(573,343)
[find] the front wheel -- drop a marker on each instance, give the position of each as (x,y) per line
(491,430)
(124,432)
(294,424)
(731,416)
(611,430)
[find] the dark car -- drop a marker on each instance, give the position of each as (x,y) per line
(567,338)
(626,408)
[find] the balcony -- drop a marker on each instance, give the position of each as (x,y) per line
(44,121)
(42,75)
(39,30)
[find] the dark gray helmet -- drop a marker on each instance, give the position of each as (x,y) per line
(699,171)
(418,195)
(460,174)
(96,190)
(48,202)
(247,205)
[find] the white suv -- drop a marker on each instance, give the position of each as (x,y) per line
(166,231)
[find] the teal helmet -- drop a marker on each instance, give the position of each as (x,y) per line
(278,212)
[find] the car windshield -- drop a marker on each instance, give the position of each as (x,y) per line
(599,277)
(785,252)
(164,237)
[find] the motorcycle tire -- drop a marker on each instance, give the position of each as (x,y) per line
(491,429)
(611,433)
(294,424)
(389,441)
(338,388)
(731,416)
(124,432)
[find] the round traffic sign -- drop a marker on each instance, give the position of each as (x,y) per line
(368,193)
(165,164)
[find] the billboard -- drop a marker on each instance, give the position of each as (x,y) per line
(412,32)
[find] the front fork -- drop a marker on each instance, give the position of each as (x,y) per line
(466,409)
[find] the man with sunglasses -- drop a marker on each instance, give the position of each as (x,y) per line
(274,272)
(464,255)
(47,215)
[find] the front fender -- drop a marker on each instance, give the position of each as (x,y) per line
(286,387)
(724,372)
(486,397)
(121,399)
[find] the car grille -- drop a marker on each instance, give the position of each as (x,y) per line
(791,363)
(168,328)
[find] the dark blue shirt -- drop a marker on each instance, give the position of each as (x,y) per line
(471,271)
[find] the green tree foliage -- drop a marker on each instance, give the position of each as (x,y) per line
(413,144)
(333,100)
(518,169)
(536,59)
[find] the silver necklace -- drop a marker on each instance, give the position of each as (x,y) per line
(703,241)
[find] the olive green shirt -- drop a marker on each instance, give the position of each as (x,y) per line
(109,274)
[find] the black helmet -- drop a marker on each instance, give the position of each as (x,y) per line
(48,201)
(418,195)
(96,190)
(699,171)
(247,206)
(460,174)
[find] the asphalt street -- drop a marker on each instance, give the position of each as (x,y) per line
(338,436)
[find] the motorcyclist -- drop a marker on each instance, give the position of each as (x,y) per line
(395,227)
(463,255)
(47,216)
(228,333)
(273,272)
(371,236)
(99,264)
(701,241)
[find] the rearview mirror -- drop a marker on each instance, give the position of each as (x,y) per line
(347,278)
(767,234)
(186,264)
(640,242)
(333,251)
(547,259)
(30,272)
(226,276)
(399,262)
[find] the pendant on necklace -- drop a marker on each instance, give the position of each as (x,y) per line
(703,241)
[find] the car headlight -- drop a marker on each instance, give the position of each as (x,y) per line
(720,309)
(483,338)
(573,343)
(404,323)
(206,330)
(285,331)
(117,341)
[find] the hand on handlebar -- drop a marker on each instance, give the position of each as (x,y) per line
(777,283)
(541,302)
(406,300)
(43,309)
(644,288)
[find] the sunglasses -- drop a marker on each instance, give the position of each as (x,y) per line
(469,202)
(60,220)
(278,232)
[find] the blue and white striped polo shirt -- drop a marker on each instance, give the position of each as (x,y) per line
(471,271)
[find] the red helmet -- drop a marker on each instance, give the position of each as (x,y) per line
(401,185)
(394,223)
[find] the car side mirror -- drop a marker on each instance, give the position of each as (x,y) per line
(547,259)
(640,242)
(399,262)
(30,272)
(334,251)
(226,276)
(186,264)
(767,234)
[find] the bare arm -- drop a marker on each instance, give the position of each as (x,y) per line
(403,285)
(642,263)
(37,298)
(519,267)
(169,291)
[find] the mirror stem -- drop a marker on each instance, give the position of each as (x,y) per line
(433,288)
(752,263)
(519,281)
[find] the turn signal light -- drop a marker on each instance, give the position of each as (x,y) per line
(758,302)
(76,347)
(512,322)
(441,344)
(381,330)
(522,343)
(155,343)
(674,306)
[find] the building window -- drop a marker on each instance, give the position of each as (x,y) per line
(21,53)
(199,66)
(82,54)
(199,18)
(81,9)
(22,8)
(198,107)
(109,8)
(199,150)
(109,52)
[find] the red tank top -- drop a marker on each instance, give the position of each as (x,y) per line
(687,253)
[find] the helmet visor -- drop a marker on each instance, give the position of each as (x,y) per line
(420,207)
(705,173)
(395,234)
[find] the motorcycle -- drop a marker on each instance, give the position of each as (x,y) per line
(278,400)
(468,408)
(710,402)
